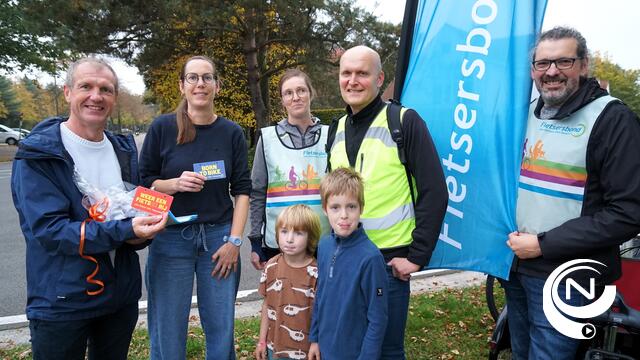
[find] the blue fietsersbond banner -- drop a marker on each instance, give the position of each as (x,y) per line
(468,77)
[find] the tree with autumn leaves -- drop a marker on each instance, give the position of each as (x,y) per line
(251,41)
(623,84)
(28,102)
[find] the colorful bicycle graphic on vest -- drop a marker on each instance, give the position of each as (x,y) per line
(535,153)
(294,183)
(308,176)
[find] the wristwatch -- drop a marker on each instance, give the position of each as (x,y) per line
(233,239)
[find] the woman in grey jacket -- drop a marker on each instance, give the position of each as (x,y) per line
(288,165)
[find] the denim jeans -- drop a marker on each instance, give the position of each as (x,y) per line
(175,256)
(532,336)
(107,336)
(398,294)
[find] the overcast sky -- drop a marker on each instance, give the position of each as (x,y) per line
(609,26)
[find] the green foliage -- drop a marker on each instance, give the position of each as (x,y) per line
(623,84)
(327,115)
(27,101)
(10,105)
(57,105)
(130,112)
(28,96)
(251,151)
(3,109)
(20,44)
(252,42)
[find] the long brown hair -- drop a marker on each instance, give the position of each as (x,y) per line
(186,129)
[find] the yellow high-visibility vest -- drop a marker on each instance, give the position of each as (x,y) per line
(388,217)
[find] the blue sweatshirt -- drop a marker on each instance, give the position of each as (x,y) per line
(350,311)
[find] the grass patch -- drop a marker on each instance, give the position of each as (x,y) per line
(449,324)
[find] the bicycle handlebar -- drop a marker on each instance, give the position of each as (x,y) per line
(625,316)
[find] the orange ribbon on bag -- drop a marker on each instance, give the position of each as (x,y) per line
(96,212)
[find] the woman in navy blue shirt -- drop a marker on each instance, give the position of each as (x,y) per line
(200,158)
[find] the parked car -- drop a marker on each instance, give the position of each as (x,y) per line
(22,132)
(8,135)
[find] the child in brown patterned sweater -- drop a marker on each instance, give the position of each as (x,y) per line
(288,284)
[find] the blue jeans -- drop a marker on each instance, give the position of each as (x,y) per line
(107,336)
(175,256)
(398,293)
(532,336)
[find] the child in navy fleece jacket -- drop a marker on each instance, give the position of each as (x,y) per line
(350,311)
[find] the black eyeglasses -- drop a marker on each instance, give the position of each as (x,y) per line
(192,78)
(561,64)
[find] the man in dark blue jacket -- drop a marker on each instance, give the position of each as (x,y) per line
(67,307)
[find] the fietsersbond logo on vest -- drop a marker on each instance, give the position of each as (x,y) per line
(314,154)
(553,127)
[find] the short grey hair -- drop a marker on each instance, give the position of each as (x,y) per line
(562,32)
(93,60)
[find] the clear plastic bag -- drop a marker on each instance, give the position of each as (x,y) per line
(114,202)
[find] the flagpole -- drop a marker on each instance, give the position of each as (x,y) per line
(404,50)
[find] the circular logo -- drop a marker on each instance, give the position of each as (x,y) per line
(588,331)
(560,313)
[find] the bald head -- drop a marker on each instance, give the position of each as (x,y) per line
(364,52)
(361,77)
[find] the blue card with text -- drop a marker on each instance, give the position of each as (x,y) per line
(211,170)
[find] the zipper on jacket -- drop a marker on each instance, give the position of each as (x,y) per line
(361,161)
(333,261)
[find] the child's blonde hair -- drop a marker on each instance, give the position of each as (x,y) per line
(342,181)
(300,218)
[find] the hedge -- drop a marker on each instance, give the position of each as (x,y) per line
(326,115)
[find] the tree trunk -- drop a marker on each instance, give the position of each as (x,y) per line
(253,77)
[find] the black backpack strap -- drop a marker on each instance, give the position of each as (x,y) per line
(394,109)
(333,128)
(394,113)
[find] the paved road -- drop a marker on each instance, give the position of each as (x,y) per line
(12,253)
(12,270)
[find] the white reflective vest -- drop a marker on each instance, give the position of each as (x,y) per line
(293,178)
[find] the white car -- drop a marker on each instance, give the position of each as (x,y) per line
(8,135)
(23,132)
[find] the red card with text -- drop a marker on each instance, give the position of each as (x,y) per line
(150,201)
